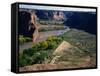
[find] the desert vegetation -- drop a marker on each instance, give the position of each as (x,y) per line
(23,39)
(39,52)
(66,40)
(81,54)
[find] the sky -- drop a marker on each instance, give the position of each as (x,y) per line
(41,7)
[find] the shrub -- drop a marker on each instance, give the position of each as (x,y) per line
(55,39)
(39,57)
(43,44)
(51,45)
(24,60)
(37,54)
(52,38)
(37,46)
(29,52)
(43,30)
(23,39)
(28,39)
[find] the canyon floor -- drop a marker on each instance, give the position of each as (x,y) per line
(77,50)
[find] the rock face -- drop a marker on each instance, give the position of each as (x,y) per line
(46,15)
(84,21)
(58,16)
(23,23)
(63,46)
(80,20)
(24,19)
